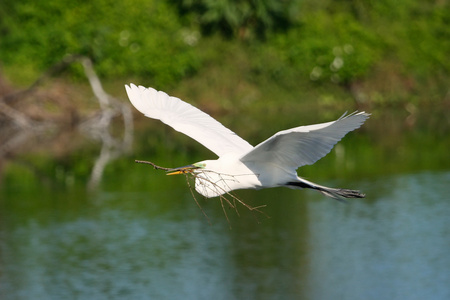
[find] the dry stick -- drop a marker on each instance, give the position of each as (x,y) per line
(223,191)
(224,211)
(150,163)
(187,180)
(20,118)
(228,193)
(195,199)
(111,148)
(52,71)
(219,189)
(223,198)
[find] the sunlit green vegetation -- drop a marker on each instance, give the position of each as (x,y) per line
(128,38)
(388,49)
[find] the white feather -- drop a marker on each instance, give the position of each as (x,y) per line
(187,119)
(240,166)
(304,145)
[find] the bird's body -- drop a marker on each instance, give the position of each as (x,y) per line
(272,163)
(224,175)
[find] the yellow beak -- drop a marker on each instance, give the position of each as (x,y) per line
(182,170)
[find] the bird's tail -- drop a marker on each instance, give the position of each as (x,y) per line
(335,193)
(339,193)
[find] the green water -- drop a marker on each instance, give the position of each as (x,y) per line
(140,234)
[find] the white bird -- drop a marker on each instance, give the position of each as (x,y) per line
(272,163)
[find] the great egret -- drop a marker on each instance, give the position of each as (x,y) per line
(272,163)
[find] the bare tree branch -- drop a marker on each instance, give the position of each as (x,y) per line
(52,71)
(223,194)
(97,126)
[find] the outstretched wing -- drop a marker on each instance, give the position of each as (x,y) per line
(304,145)
(187,119)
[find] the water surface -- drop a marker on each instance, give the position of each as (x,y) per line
(392,245)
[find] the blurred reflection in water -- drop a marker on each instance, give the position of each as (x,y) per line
(393,245)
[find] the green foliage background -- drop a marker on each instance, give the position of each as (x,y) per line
(125,38)
(293,44)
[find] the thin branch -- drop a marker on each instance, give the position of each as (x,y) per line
(94,81)
(18,117)
(221,191)
(99,128)
(154,166)
(195,199)
(53,70)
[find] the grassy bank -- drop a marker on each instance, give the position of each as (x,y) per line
(380,53)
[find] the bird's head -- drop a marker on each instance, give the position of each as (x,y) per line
(187,169)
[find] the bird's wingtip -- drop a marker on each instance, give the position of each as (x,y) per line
(367,115)
(130,85)
(356,113)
